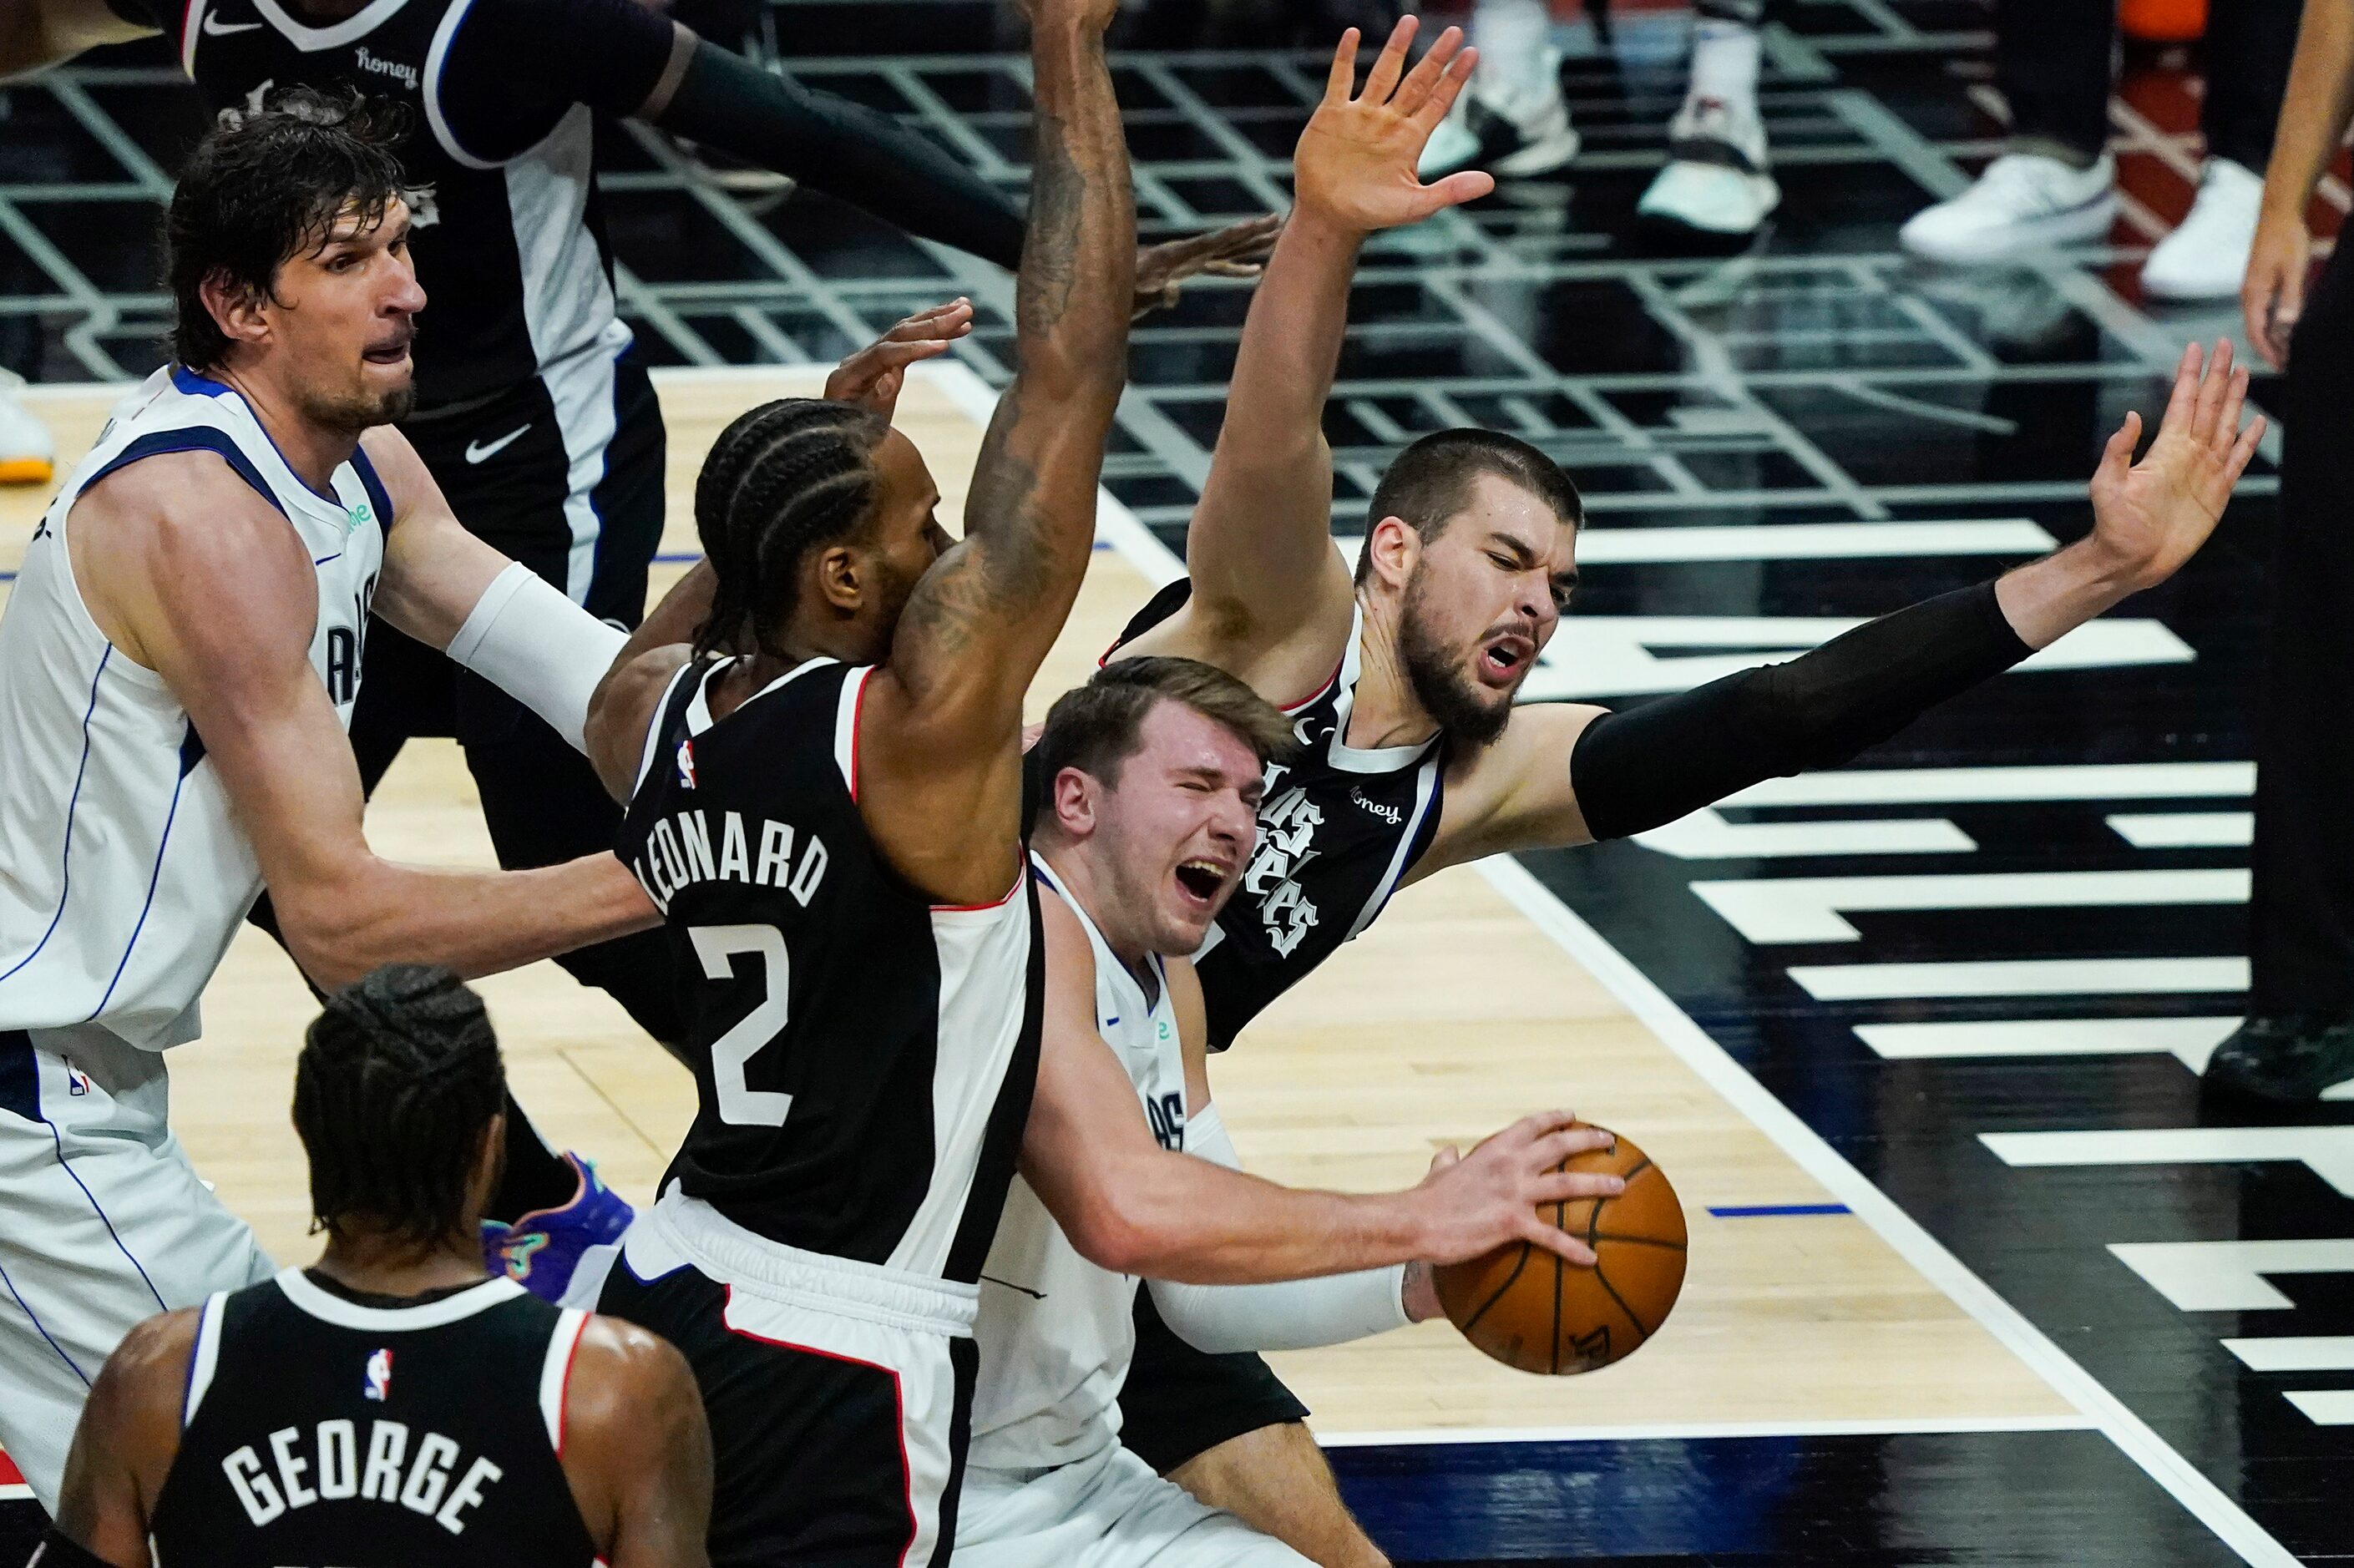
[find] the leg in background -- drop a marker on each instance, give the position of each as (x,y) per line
(2054,63)
(1717,180)
(2248,47)
(2299,1036)
(2057,185)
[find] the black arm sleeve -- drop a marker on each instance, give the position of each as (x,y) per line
(844,149)
(1637,769)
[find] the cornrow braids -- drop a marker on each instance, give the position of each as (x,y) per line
(784,477)
(397,1078)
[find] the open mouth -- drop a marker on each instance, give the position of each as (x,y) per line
(391,353)
(1201,880)
(1502,660)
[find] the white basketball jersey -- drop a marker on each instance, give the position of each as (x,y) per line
(123,872)
(1057,1332)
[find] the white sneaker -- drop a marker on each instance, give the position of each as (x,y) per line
(1509,138)
(1716,180)
(28,453)
(2206,255)
(2024,201)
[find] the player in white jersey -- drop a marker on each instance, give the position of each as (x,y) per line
(1152,774)
(176,665)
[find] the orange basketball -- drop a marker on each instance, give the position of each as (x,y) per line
(1530,1310)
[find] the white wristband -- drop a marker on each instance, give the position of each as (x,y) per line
(537,646)
(1295,1315)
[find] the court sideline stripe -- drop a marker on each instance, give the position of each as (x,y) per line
(1702,1431)
(2157,1458)
(2101,1409)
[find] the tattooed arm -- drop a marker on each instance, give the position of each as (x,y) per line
(939,728)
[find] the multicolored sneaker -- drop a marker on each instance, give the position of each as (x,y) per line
(540,1250)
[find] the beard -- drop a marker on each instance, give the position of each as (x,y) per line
(352,414)
(1452,699)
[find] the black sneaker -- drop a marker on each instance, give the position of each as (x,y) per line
(2290,1059)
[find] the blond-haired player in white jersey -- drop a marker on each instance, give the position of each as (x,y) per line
(1151,776)
(177,663)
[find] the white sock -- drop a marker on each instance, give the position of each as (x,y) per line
(1724,62)
(1516,59)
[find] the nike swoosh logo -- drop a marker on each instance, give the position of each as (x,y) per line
(216,28)
(478,451)
(987,1279)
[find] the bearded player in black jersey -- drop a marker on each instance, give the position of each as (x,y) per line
(389,1404)
(533,412)
(1401,679)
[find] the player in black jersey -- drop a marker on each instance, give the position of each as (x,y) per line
(533,412)
(1402,677)
(390,1405)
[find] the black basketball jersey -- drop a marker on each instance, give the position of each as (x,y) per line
(864,1059)
(1338,829)
(319,1431)
(502,96)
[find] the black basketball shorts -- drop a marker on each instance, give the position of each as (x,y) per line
(839,1393)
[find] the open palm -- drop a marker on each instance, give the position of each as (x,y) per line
(2152,516)
(1354,163)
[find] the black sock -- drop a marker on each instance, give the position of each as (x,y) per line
(535,1176)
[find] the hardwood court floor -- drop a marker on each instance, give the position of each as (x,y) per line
(1454,1014)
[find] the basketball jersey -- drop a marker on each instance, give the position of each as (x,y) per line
(863,1058)
(316,1430)
(123,873)
(1055,1331)
(1339,827)
(510,243)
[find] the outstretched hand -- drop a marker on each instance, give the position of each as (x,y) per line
(1355,166)
(1234,251)
(2149,517)
(873,377)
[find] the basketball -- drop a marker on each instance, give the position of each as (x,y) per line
(1532,1311)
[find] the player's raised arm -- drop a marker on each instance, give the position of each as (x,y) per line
(205,584)
(1130,1206)
(1565,775)
(1271,594)
(939,728)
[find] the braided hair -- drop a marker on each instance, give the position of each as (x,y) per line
(784,477)
(397,1078)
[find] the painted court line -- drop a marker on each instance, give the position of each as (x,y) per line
(1775,1211)
(1653,1431)
(2144,1448)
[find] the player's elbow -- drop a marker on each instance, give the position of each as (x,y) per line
(1119,1232)
(332,928)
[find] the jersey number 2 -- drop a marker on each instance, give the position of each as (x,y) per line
(717,945)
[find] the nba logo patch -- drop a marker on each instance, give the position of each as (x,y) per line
(76,1081)
(378,1383)
(686,764)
